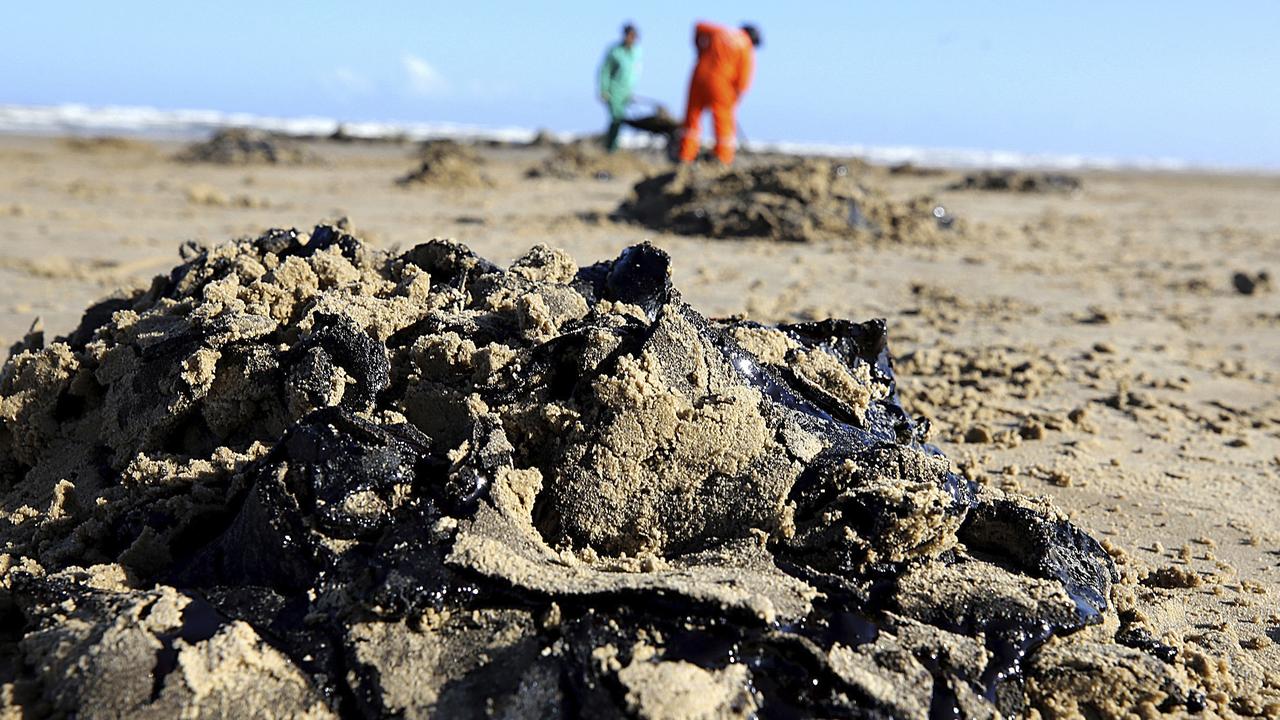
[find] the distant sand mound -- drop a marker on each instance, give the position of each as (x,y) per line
(544,138)
(447,163)
(242,146)
(792,201)
(910,169)
(587,159)
(106,144)
(437,147)
(1018,181)
(342,134)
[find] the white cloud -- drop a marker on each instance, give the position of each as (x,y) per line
(346,84)
(424,78)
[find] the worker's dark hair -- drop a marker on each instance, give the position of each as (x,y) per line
(629,28)
(754,33)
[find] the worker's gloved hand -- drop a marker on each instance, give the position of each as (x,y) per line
(604,97)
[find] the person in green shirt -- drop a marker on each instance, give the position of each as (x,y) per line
(618,75)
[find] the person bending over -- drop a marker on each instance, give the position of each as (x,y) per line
(726,60)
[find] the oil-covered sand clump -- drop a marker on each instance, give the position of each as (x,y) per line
(302,477)
(246,146)
(447,163)
(1018,181)
(801,200)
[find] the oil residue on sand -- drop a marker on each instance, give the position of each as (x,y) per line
(801,200)
(245,146)
(447,163)
(304,474)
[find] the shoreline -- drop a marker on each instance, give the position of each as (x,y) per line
(180,124)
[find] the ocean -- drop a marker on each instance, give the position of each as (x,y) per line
(73,119)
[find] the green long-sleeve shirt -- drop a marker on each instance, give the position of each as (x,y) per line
(618,75)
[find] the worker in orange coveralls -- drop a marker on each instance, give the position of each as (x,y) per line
(726,59)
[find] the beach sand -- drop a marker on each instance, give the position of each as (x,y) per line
(1088,346)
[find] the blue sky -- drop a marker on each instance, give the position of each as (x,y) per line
(1189,80)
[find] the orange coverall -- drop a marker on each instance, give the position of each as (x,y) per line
(726,59)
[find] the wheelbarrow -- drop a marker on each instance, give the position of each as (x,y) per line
(659,122)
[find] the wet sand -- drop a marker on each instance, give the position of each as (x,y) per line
(1089,347)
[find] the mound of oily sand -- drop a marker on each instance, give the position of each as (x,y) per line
(543,138)
(106,144)
(1018,181)
(299,476)
(586,158)
(245,146)
(797,200)
(447,163)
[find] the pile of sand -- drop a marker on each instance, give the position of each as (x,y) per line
(107,144)
(801,200)
(342,134)
(245,146)
(447,164)
(304,477)
(910,169)
(439,147)
(587,159)
(1018,181)
(544,138)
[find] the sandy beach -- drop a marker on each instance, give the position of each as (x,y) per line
(1095,346)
